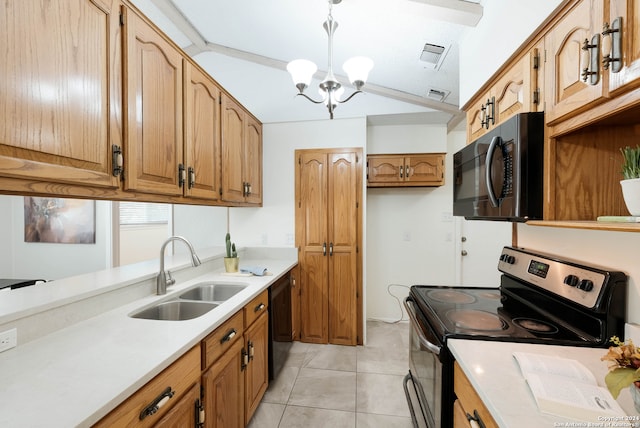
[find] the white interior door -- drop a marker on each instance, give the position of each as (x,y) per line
(479,245)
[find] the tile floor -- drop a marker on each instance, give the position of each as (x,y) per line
(341,386)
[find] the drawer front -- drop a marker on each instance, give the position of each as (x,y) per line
(256,307)
(469,399)
(179,377)
(221,339)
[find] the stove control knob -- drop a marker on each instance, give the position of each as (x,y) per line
(507,259)
(571,280)
(586,285)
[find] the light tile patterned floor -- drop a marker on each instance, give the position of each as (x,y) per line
(341,386)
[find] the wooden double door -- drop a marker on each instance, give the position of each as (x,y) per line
(328,237)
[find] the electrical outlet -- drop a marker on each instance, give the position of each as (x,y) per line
(8,339)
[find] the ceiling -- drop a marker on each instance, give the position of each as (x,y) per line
(246,44)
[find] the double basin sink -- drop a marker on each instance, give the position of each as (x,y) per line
(192,303)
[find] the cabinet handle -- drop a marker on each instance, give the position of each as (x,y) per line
(244,362)
(248,189)
(401,169)
(200,412)
(227,337)
(251,351)
(156,404)
(181,175)
(475,420)
(259,307)
(324,248)
(116,160)
(331,249)
(192,177)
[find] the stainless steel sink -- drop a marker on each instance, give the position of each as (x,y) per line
(175,310)
(213,291)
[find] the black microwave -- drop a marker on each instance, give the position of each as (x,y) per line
(500,175)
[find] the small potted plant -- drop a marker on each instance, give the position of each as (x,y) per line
(231,260)
(631,183)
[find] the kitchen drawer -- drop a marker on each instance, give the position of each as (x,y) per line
(256,307)
(221,339)
(469,399)
(179,377)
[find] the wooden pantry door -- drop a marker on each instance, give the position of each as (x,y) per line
(328,234)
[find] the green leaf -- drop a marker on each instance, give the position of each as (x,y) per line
(618,379)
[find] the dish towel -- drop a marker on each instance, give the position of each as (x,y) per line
(256,270)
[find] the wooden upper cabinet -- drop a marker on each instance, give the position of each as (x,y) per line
(567,92)
(241,154)
(153,93)
(629,74)
(408,170)
(201,134)
(517,90)
(60,90)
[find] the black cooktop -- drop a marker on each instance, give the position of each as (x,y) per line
(488,313)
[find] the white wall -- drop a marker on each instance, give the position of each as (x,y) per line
(46,260)
(504,26)
(410,231)
(203,226)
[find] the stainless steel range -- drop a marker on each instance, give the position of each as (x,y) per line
(541,299)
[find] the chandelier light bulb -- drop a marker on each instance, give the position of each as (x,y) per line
(357,69)
(302,71)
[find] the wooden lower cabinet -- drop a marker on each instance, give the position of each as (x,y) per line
(223,390)
(468,402)
(257,369)
(236,366)
(179,377)
(185,413)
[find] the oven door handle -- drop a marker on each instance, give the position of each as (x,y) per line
(408,304)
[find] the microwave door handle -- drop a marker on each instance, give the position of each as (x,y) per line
(416,326)
(488,164)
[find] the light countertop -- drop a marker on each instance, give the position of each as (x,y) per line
(497,379)
(77,374)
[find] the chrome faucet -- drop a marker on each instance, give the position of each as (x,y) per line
(161,280)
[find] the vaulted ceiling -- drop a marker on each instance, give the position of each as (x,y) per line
(246,44)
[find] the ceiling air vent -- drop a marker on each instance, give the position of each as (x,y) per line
(433,55)
(437,94)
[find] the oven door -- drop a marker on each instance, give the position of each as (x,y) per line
(424,394)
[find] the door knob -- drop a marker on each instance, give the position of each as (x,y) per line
(464,252)
(463,238)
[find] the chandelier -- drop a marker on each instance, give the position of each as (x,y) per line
(357,69)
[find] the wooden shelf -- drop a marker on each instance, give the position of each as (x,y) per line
(593,225)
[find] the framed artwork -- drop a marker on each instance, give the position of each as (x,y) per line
(59,220)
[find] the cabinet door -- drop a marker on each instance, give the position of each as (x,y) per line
(386,169)
(185,413)
(202,134)
(311,239)
(60,89)
(566,91)
(223,396)
(153,91)
(513,90)
(233,129)
(425,169)
(475,119)
(342,216)
(629,75)
(253,160)
(257,371)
